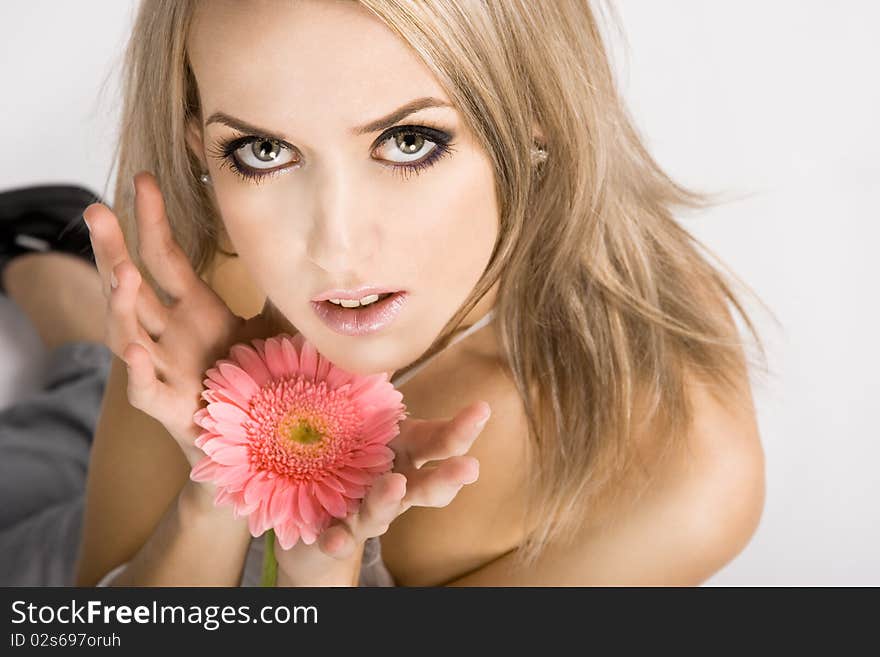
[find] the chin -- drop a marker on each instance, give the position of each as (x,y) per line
(361,355)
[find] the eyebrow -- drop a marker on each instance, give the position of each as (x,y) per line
(381,123)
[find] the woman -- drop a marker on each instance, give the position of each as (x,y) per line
(264,141)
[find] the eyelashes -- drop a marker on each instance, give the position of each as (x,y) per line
(225,151)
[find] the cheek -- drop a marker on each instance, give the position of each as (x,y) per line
(235,207)
(253,222)
(452,229)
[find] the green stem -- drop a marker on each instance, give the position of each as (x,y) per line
(270,564)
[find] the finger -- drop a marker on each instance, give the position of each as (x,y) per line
(337,541)
(143,386)
(380,507)
(108,242)
(161,253)
(438,485)
(123,326)
(152,313)
(447,438)
(108,245)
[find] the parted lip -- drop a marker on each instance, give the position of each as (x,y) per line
(358,293)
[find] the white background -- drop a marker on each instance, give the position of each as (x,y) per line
(775,103)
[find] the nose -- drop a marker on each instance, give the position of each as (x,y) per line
(341,239)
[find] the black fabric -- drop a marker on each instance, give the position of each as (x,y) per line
(44,218)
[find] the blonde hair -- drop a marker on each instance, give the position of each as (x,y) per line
(605,303)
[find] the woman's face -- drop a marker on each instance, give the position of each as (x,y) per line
(338,205)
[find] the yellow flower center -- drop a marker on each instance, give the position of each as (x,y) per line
(304,433)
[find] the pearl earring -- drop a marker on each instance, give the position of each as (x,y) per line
(205,178)
(539,154)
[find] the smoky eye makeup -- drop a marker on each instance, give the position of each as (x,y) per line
(232,152)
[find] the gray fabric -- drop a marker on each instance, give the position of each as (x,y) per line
(45,442)
(374,572)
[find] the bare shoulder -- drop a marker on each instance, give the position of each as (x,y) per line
(726,457)
(716,486)
(699,511)
(705,497)
(689,510)
(710,491)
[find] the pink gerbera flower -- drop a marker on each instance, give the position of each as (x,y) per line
(291,440)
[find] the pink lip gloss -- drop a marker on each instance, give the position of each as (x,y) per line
(360,321)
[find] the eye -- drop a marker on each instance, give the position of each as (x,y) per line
(247,157)
(260,152)
(416,146)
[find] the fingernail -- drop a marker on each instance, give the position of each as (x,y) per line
(113,282)
(482,423)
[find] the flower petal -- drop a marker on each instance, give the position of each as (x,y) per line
(250,362)
(357,491)
(263,512)
(239,380)
(227,395)
(204,437)
(290,356)
(225,455)
(333,482)
(224,497)
(281,505)
(307,534)
(308,508)
(233,476)
(214,379)
(275,359)
(337,377)
(367,385)
(354,475)
(204,470)
(308,361)
(227,429)
(331,500)
(200,415)
(232,432)
(288,534)
(376,455)
(258,488)
(229,413)
(255,522)
(205,420)
(324,366)
(213,441)
(381,426)
(243,508)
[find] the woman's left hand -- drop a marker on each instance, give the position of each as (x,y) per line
(334,559)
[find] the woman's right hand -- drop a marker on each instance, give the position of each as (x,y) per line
(167,348)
